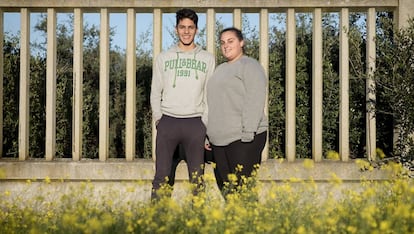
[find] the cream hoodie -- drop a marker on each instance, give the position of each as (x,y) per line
(179,82)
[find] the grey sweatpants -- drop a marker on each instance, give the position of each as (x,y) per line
(171,131)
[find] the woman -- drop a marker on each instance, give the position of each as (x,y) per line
(237,125)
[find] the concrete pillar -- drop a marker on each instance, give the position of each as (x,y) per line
(291,85)
(157,47)
(77,85)
(237,18)
(264,60)
(24,101)
(50,143)
(370,86)
(210,30)
(130,115)
(344,85)
(317,85)
(404,12)
(104,86)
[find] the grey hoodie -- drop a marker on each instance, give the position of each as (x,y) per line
(179,82)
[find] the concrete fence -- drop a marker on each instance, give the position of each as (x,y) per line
(402,10)
(107,171)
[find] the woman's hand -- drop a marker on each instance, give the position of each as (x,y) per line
(207,146)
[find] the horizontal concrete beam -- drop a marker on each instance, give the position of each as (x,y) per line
(197,4)
(143,169)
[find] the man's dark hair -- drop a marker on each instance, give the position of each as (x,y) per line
(186,13)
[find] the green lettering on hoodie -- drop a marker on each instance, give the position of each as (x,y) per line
(181,63)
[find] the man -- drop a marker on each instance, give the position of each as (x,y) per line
(178,102)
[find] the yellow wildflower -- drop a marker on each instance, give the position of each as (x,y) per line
(364,165)
(294,180)
(332,154)
(131,189)
(380,153)
(336,179)
(227,231)
(198,201)
(239,167)
(94,226)
(213,165)
(2,174)
(189,223)
(47,180)
(385,226)
(69,220)
(232,177)
(209,177)
(108,220)
(216,214)
(352,229)
(301,230)
(130,228)
(308,163)
(128,214)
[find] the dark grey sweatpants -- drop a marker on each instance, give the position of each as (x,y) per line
(171,131)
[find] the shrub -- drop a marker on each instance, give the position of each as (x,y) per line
(292,206)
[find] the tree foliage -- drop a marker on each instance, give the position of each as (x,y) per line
(64,93)
(395,85)
(357,79)
(276,103)
(11,84)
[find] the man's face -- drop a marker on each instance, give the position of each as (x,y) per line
(186,31)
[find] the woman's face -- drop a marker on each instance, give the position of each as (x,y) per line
(231,46)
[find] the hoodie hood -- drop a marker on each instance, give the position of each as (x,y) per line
(177,49)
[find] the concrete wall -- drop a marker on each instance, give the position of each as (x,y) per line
(131,181)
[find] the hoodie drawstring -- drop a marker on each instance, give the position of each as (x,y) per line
(175,70)
(196,73)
